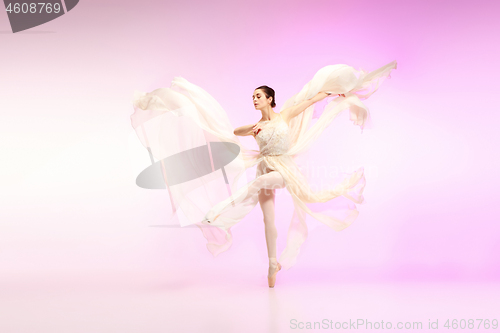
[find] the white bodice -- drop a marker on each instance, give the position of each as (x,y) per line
(273,139)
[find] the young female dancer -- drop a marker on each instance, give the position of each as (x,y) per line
(264,100)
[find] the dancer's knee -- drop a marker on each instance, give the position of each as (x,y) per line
(272,180)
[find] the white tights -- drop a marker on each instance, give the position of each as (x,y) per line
(267,200)
(267,203)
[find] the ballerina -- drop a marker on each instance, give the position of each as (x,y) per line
(273,126)
(281,138)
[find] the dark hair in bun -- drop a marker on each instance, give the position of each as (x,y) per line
(269,93)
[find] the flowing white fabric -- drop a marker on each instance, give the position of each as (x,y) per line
(172,120)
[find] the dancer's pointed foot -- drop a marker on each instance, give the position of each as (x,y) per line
(208,219)
(274,268)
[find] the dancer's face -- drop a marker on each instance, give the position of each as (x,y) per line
(259,99)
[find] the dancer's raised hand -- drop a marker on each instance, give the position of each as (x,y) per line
(256,129)
(323,94)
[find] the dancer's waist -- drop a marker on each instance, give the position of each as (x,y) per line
(272,154)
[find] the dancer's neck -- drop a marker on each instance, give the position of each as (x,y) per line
(268,114)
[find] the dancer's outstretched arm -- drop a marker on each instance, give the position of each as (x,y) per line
(295,110)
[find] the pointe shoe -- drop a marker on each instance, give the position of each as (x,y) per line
(272,280)
(206,220)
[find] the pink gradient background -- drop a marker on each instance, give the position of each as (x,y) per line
(70,206)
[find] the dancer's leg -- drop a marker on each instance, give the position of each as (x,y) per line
(268,181)
(267,201)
